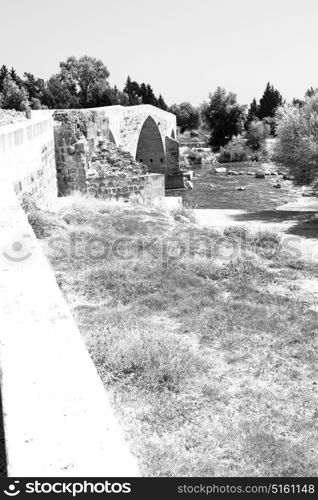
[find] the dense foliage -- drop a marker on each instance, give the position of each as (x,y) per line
(297,130)
(188,117)
(265,110)
(224,116)
(80,83)
(256,134)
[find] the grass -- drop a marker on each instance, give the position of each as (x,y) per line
(211,363)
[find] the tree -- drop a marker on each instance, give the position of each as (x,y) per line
(142,94)
(81,76)
(161,103)
(311,92)
(15,77)
(297,131)
(269,102)
(3,74)
(188,117)
(251,114)
(298,102)
(224,116)
(13,97)
(256,134)
(104,95)
(132,90)
(58,96)
(35,88)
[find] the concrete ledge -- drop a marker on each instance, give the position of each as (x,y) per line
(57,417)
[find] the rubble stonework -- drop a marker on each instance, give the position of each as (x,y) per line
(113,172)
(88,161)
(75,134)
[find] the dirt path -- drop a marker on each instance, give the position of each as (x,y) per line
(297,222)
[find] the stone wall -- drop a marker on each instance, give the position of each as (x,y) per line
(27,158)
(147,187)
(75,136)
(174,179)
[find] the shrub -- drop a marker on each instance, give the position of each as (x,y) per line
(185,211)
(232,152)
(154,358)
(195,158)
(13,97)
(194,133)
(297,147)
(256,134)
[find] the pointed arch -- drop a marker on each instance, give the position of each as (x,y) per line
(173,135)
(111,137)
(150,149)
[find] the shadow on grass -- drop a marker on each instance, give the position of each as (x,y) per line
(306,223)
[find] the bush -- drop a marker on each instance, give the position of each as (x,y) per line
(195,158)
(256,134)
(154,358)
(13,97)
(232,152)
(297,147)
(194,133)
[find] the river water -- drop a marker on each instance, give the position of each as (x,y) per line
(258,195)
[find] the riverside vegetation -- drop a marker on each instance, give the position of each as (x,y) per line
(210,361)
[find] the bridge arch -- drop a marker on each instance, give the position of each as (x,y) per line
(150,148)
(111,137)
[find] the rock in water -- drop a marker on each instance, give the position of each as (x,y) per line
(259,174)
(219,170)
(240,188)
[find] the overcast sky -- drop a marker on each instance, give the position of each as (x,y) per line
(183,48)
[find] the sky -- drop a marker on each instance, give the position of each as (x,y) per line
(183,48)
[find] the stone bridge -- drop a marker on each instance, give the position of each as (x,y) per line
(149,134)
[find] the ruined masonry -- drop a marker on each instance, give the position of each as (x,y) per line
(116,151)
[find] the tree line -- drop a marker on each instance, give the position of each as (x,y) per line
(81,83)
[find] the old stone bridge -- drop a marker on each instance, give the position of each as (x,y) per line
(145,132)
(149,134)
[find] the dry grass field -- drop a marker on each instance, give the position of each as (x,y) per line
(211,362)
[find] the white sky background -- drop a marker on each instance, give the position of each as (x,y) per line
(183,48)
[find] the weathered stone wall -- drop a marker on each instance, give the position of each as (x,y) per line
(174,177)
(27,158)
(148,187)
(172,156)
(75,137)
